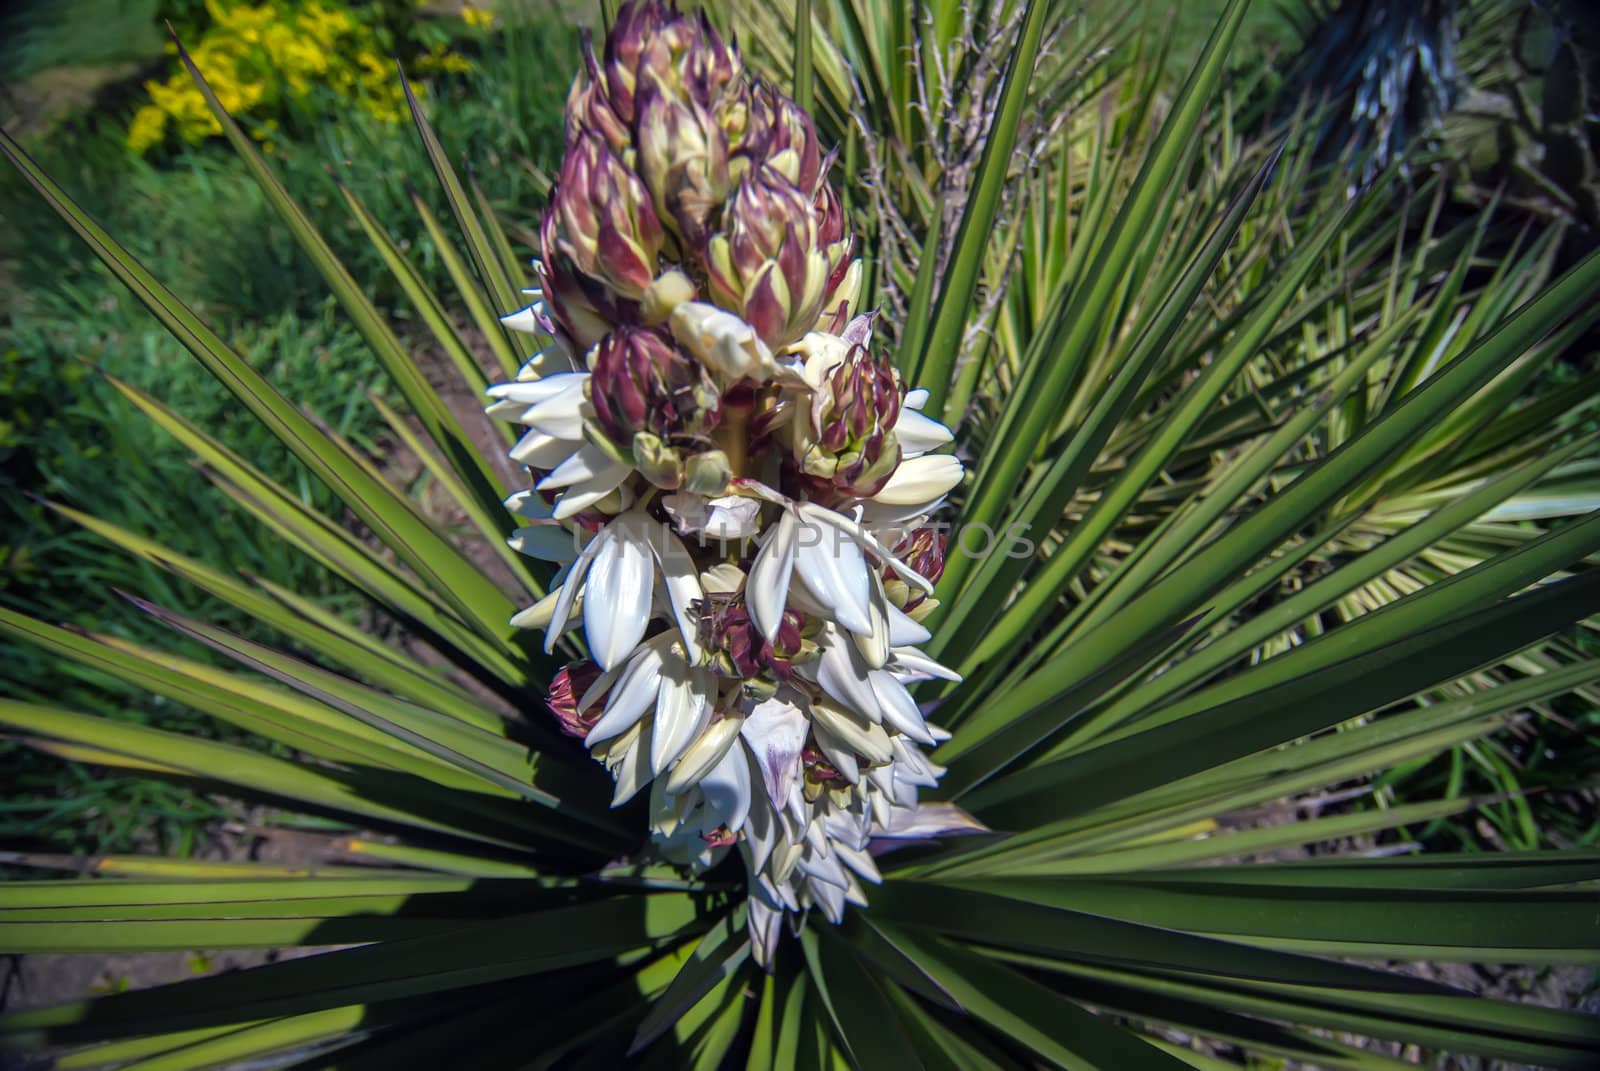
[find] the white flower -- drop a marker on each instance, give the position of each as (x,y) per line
(616,573)
(534,319)
(775,733)
(554,410)
(921,481)
(706,754)
(916,433)
(656,704)
(801,773)
(764,923)
(829,552)
(723,342)
(876,693)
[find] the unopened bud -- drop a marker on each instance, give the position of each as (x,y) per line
(669,290)
(567,689)
(707,473)
(922,551)
(683,158)
(738,650)
(766,264)
(641,382)
(777,133)
(845,436)
(652,400)
(600,242)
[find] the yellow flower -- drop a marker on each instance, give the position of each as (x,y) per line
(439,60)
(148,129)
(256,58)
(476,17)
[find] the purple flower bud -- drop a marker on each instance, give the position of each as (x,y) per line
(778,134)
(683,158)
(568,687)
(736,647)
(589,107)
(834,238)
(765,264)
(650,399)
(850,444)
(606,214)
(923,551)
(649,41)
(600,242)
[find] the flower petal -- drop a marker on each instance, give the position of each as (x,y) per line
(570,588)
(631,773)
(632,695)
(726,788)
(532,392)
(727,518)
(899,709)
(524,320)
(537,450)
(545,542)
(905,631)
(874,645)
(530,505)
(620,583)
(683,707)
(861,735)
(561,414)
(702,756)
(766,592)
(760,835)
(918,434)
(553,360)
(931,820)
(844,674)
(586,465)
(910,664)
(921,479)
(835,570)
(681,578)
(775,732)
(765,925)
(840,755)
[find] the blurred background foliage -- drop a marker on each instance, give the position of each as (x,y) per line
(1483,102)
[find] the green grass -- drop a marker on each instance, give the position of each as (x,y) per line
(204,226)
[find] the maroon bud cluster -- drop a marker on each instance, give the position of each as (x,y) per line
(677,161)
(641,382)
(855,446)
(819,771)
(736,647)
(923,550)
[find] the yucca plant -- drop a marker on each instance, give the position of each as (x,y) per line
(1206,373)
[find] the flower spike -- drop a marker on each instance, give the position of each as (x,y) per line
(707,442)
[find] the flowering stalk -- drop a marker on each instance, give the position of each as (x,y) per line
(735,484)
